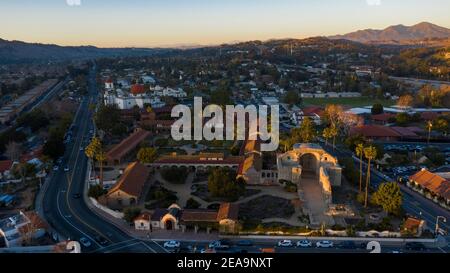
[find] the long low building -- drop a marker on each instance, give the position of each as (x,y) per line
(118,152)
(202,160)
(438,184)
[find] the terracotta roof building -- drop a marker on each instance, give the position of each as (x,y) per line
(137,89)
(118,152)
(200,160)
(375,132)
(128,190)
(434,183)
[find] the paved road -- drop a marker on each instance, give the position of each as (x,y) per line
(70,216)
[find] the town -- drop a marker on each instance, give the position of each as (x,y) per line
(88,152)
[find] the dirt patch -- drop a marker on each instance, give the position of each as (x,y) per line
(266,207)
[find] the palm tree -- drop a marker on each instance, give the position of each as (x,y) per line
(91,150)
(334,133)
(360,152)
(100,156)
(429,127)
(370,153)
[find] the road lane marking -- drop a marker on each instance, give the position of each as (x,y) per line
(121,247)
(160,246)
(147,246)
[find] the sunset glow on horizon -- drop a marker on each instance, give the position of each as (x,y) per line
(139,23)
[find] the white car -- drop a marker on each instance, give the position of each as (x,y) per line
(304,243)
(66,169)
(56,168)
(285,243)
(215,244)
(85,242)
(172,244)
(324,244)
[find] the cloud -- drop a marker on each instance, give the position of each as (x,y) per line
(373,2)
(73,2)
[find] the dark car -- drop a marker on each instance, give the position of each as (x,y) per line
(76,195)
(101,240)
(225,242)
(415,246)
(347,245)
(244,243)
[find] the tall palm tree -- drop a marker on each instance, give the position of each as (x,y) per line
(360,153)
(100,156)
(429,127)
(334,132)
(370,153)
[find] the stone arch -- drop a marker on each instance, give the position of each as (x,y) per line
(310,163)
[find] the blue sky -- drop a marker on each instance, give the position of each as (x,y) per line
(109,23)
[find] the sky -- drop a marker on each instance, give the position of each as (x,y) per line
(151,23)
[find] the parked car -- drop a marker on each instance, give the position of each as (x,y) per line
(285,243)
(56,168)
(66,169)
(244,243)
(85,242)
(415,246)
(347,245)
(172,244)
(324,244)
(304,243)
(214,244)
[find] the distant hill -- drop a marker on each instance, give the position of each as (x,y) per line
(22,52)
(421,33)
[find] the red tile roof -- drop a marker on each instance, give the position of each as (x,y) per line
(199,159)
(433,182)
(228,211)
(128,144)
(137,89)
(382,117)
(5,165)
(145,216)
(429,116)
(404,131)
(374,131)
(133,180)
(199,215)
(313,110)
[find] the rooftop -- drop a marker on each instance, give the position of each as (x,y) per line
(133,180)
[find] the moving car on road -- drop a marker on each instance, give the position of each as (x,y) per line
(285,243)
(85,242)
(66,168)
(172,244)
(324,244)
(101,240)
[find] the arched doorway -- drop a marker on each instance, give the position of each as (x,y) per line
(168,224)
(310,165)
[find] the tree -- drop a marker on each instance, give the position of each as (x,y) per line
(95,152)
(441,125)
(402,118)
(306,132)
(429,128)
(107,118)
(333,113)
(222,183)
(389,197)
(370,153)
(96,191)
(326,133)
(147,155)
(377,109)
(291,97)
(13,150)
(91,151)
(192,204)
(360,152)
(405,101)
(130,213)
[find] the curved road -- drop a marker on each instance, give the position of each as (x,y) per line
(70,216)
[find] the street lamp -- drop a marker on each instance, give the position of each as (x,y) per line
(437,223)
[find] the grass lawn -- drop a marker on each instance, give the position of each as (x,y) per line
(353,102)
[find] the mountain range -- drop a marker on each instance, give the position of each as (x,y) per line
(398,34)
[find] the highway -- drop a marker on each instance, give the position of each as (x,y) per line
(68,215)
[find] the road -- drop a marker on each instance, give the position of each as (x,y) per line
(413,203)
(69,216)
